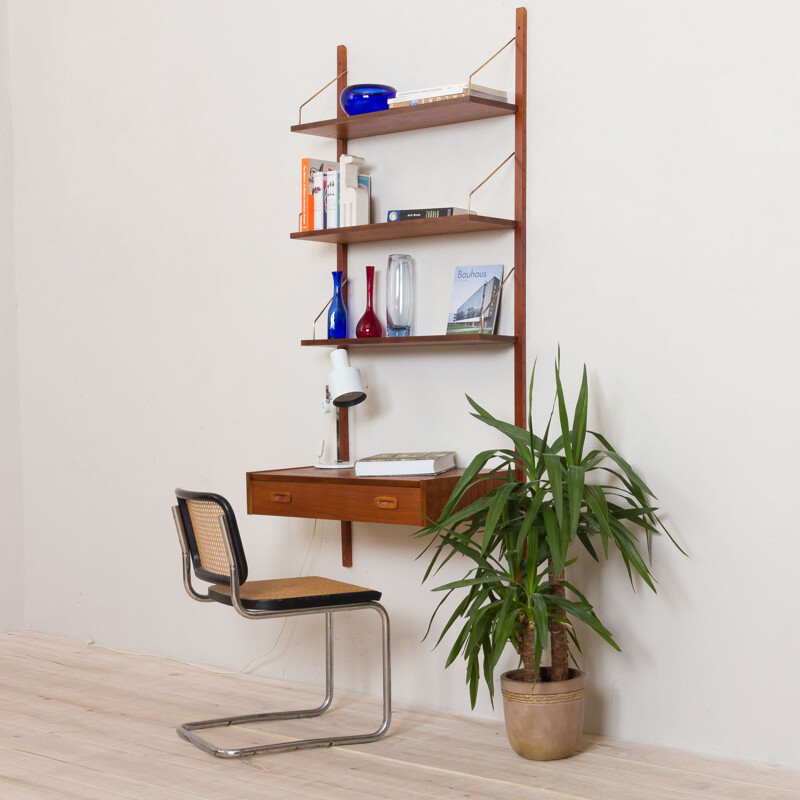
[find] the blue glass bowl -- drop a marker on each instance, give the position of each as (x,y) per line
(362,98)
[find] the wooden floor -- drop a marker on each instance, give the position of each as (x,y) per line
(88,723)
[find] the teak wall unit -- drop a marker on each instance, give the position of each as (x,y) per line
(334,494)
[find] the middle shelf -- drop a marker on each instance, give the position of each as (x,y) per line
(407,229)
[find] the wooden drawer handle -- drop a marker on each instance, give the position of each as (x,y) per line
(386,502)
(281,497)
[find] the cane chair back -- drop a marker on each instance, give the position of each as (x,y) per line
(203,515)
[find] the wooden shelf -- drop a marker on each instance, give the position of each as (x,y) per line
(453,340)
(409,118)
(408,229)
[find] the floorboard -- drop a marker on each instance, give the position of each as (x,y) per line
(89,723)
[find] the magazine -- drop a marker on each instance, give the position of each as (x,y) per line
(475,302)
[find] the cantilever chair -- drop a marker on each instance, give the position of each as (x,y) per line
(211,545)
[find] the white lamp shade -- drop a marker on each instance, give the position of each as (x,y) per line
(346,385)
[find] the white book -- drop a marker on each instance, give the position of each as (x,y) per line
(332,199)
(453,88)
(395,102)
(385,464)
(318,180)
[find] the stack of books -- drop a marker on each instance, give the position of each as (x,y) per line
(434,94)
(319,194)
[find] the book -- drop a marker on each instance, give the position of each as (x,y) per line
(328,197)
(475,302)
(308,168)
(418,101)
(451,88)
(431,463)
(319,200)
(332,198)
(423,213)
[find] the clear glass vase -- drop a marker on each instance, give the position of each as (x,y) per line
(399,295)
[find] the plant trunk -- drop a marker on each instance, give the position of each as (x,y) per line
(559,643)
(529,655)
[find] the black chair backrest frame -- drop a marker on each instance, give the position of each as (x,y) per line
(235,539)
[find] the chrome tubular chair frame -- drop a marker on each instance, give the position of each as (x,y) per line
(186,731)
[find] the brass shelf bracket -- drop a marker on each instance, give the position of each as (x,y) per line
(469,81)
(492,299)
(491,175)
(329,83)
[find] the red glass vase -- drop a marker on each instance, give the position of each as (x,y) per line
(369,325)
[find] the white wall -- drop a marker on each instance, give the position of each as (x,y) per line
(11,540)
(161,303)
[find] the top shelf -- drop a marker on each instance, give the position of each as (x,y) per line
(408,118)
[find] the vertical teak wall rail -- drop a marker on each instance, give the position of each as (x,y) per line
(341,265)
(520,215)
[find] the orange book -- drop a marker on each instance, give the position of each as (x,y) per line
(309,167)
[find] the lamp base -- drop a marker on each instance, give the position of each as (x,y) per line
(336,465)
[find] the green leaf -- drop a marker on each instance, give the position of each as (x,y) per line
(562,415)
(575,497)
(556,477)
(519,436)
(626,467)
(586,615)
(579,419)
(587,543)
(555,539)
(541,622)
(532,438)
(626,543)
(496,509)
(483,580)
(504,624)
(466,480)
(596,500)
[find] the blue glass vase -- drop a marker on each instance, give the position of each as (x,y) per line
(362,98)
(337,313)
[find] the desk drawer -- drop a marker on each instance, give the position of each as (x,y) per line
(402,505)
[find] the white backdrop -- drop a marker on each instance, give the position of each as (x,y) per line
(161,304)
(11,540)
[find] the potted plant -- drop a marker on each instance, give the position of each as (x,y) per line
(549,502)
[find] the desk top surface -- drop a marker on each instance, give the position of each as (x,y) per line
(317,475)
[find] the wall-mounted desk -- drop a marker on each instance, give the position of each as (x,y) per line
(338,494)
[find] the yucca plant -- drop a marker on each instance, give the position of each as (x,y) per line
(549,502)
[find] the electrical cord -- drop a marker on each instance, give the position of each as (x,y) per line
(92,643)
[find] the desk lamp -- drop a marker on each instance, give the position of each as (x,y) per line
(345,388)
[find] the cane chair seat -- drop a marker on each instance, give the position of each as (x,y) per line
(284,594)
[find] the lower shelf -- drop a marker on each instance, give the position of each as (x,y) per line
(453,340)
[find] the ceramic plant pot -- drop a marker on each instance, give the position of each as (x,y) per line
(543,723)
